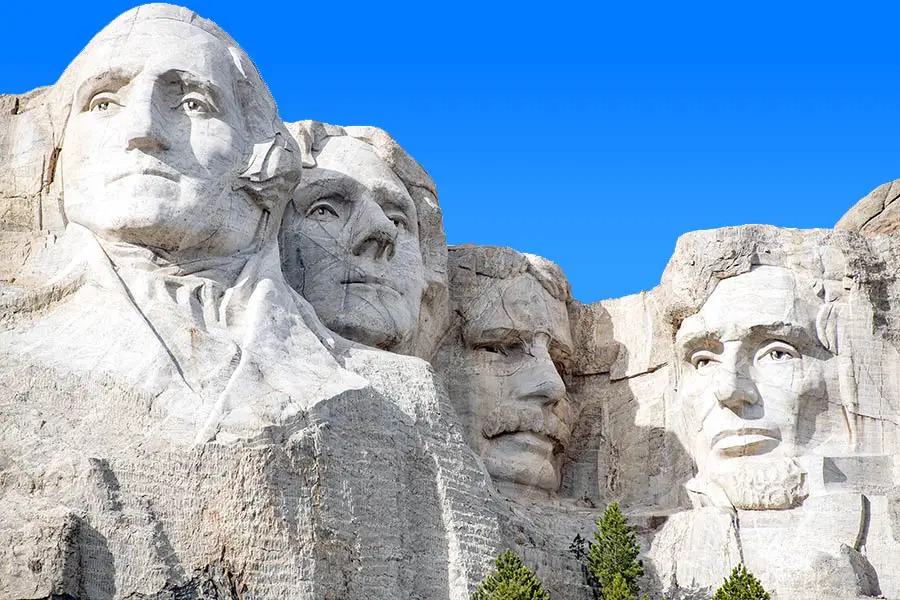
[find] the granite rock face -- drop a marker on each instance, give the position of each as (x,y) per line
(239,361)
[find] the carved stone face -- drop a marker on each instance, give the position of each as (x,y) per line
(155,141)
(505,381)
(748,359)
(355,233)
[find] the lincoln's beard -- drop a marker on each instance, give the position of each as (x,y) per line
(754,484)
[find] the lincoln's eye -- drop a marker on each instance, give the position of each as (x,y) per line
(776,352)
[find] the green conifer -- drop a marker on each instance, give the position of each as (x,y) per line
(741,585)
(511,580)
(617,589)
(613,553)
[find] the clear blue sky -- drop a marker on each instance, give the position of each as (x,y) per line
(593,134)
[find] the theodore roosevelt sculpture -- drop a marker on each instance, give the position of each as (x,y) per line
(503,358)
(362,239)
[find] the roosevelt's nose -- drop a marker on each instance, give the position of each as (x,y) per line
(374,233)
(540,380)
(144,127)
(734,389)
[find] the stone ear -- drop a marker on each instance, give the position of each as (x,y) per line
(271,164)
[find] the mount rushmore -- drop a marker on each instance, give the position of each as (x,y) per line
(240,361)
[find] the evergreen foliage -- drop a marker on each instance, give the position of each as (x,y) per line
(613,555)
(618,589)
(511,580)
(741,585)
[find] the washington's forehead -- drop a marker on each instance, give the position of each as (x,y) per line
(162,44)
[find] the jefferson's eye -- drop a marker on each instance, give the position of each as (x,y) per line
(321,211)
(102,102)
(703,359)
(777,352)
(399,221)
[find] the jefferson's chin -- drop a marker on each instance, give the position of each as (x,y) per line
(368,319)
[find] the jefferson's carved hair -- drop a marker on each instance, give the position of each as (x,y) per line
(312,136)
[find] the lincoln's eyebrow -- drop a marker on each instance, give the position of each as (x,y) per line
(694,334)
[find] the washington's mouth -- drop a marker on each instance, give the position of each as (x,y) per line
(746,442)
(148,172)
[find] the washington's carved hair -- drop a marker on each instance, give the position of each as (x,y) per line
(272,159)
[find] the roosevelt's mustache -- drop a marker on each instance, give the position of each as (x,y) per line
(551,421)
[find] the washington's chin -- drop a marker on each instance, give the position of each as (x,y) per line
(525,458)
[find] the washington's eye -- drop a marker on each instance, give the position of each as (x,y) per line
(703,359)
(195,104)
(321,211)
(102,102)
(777,352)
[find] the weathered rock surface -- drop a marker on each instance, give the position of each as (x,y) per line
(237,360)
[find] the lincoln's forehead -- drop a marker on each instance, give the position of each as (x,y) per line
(766,298)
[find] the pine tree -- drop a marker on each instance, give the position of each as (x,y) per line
(511,580)
(613,552)
(742,585)
(617,589)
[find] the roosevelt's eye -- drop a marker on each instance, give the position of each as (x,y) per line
(494,348)
(703,359)
(102,102)
(776,352)
(322,211)
(196,104)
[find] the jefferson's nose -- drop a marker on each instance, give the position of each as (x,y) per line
(375,233)
(144,129)
(734,390)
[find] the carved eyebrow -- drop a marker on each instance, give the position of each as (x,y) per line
(496,334)
(189,80)
(696,337)
(110,79)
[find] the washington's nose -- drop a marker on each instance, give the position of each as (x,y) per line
(735,390)
(375,233)
(144,130)
(541,380)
